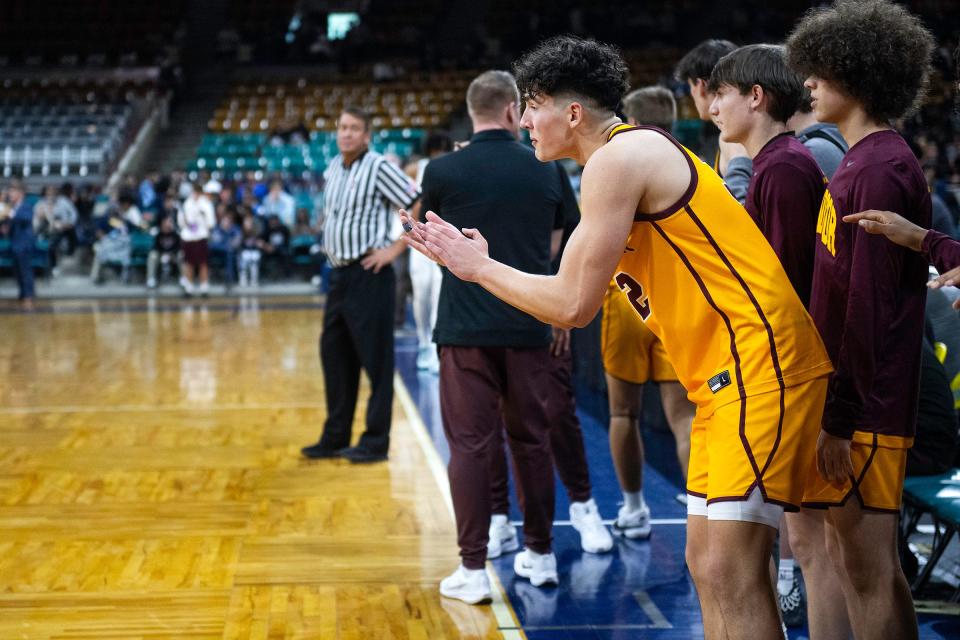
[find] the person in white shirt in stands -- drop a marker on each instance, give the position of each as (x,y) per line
(195,220)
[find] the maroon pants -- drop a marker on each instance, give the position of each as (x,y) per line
(477,385)
(566,443)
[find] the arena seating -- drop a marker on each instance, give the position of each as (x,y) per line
(427,101)
(232,152)
(938,497)
(245,131)
(61,140)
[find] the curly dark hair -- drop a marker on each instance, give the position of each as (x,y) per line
(568,65)
(874,50)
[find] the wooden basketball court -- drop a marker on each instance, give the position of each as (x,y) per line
(151,485)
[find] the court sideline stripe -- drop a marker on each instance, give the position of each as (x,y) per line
(507,622)
(567,523)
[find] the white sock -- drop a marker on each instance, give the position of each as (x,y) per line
(633,501)
(785,576)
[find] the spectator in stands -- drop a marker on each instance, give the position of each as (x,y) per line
(301,225)
(942,216)
(182,186)
(57,217)
(195,222)
(43,211)
(113,238)
(170,209)
(165,253)
(147,191)
(250,253)
(225,240)
(290,131)
(22,241)
(210,184)
(275,245)
(278,203)
(306,247)
(728,159)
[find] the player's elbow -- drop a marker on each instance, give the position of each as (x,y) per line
(578,316)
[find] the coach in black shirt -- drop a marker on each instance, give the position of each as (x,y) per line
(493,355)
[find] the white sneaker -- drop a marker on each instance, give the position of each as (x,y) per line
(594,537)
(633,524)
(469,585)
(186,285)
(540,569)
(423,357)
(503,537)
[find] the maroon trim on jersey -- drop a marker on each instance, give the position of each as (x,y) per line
(733,346)
(774,356)
(694,177)
(855,487)
(697,494)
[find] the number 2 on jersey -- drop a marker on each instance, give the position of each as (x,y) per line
(635,294)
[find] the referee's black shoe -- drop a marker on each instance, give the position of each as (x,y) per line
(317,452)
(361,455)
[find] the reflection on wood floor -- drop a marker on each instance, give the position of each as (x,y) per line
(151,485)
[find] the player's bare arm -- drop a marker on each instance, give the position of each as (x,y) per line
(642,168)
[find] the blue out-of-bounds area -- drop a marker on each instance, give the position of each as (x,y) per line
(641,589)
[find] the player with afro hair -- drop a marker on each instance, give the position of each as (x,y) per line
(866,63)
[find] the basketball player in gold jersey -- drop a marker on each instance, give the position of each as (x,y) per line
(697,270)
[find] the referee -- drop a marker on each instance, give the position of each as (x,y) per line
(361,237)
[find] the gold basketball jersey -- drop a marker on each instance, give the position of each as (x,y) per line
(708,284)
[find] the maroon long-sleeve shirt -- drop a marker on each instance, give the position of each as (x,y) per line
(868,293)
(941,250)
(783,198)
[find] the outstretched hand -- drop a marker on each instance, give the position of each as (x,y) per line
(463,251)
(949,279)
(414,236)
(898,229)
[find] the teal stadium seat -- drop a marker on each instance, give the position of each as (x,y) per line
(6,254)
(140,245)
(233,152)
(938,497)
(41,256)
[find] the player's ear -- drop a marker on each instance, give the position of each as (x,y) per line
(756,96)
(700,87)
(575,113)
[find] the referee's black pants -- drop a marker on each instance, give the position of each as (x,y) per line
(358,333)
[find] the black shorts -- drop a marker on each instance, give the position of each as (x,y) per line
(196,253)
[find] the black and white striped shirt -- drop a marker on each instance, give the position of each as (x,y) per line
(357,201)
